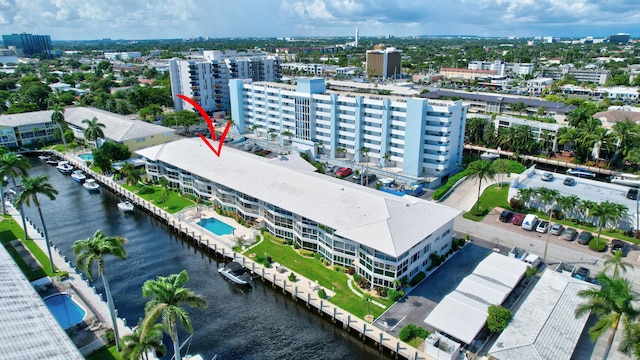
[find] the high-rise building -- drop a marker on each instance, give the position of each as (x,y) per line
(357,37)
(29,44)
(384,62)
(207,81)
(619,38)
(422,140)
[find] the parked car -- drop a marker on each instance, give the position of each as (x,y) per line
(365,178)
(506,216)
(543,227)
(530,222)
(517,219)
(569,234)
(584,238)
(569,181)
(617,245)
(632,194)
(547,176)
(582,274)
(557,229)
(344,172)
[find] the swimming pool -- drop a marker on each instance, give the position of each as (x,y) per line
(216,226)
(86,157)
(66,311)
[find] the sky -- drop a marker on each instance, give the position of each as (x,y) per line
(156,19)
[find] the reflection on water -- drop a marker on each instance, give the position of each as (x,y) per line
(238,323)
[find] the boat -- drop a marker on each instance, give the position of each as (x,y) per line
(235,272)
(581,172)
(52,161)
(78,176)
(91,185)
(64,167)
(44,157)
(488,156)
(125,206)
(626,180)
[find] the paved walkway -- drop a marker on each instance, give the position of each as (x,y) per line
(350,284)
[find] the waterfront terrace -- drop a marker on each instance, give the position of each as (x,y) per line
(385,237)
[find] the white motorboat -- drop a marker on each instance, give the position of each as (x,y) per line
(78,176)
(91,185)
(626,180)
(126,206)
(64,167)
(581,172)
(489,156)
(44,157)
(235,272)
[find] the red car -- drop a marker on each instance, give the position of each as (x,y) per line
(517,219)
(344,172)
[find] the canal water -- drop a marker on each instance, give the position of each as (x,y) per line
(239,323)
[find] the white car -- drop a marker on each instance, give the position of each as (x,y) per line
(547,176)
(543,227)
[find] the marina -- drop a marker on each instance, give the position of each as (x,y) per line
(171,243)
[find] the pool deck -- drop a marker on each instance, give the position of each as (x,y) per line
(76,285)
(191,215)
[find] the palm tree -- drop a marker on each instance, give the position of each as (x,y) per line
(610,303)
(32,187)
(526,194)
(131,174)
(617,263)
(136,346)
(13,165)
(167,295)
(501,167)
(585,207)
(94,128)
(255,128)
(481,170)
(92,251)
(630,343)
(606,211)
(569,204)
(548,198)
(57,117)
(3,150)
(367,298)
(475,129)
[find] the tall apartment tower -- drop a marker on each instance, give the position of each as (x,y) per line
(357,37)
(28,44)
(384,62)
(207,80)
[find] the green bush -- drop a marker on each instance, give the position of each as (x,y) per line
(292,277)
(452,181)
(322,294)
(306,253)
(595,246)
(411,332)
(531,271)
(498,318)
(356,276)
(395,295)
(416,279)
(516,204)
(339,268)
(318,256)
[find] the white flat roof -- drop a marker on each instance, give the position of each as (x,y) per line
(27,328)
(463,312)
(545,326)
(385,222)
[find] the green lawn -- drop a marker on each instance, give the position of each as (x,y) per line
(492,197)
(10,230)
(175,202)
(105,353)
(313,269)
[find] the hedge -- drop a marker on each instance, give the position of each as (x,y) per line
(452,181)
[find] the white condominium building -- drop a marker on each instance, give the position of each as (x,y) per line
(383,236)
(421,138)
(207,80)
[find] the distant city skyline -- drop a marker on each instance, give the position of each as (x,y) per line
(137,19)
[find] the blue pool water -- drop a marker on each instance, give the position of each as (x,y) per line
(216,226)
(86,157)
(65,310)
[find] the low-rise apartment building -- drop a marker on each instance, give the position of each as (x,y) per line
(24,129)
(383,236)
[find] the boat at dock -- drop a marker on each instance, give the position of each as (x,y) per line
(236,273)
(126,206)
(581,172)
(64,167)
(78,176)
(489,156)
(625,179)
(91,185)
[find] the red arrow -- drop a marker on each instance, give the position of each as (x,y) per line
(209,124)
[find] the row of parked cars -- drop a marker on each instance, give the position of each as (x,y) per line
(530,222)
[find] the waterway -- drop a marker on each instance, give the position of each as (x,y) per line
(261,323)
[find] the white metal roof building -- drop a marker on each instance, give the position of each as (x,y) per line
(27,328)
(26,128)
(544,327)
(384,235)
(463,312)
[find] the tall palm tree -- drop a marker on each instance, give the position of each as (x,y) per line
(94,128)
(616,261)
(367,298)
(131,174)
(135,346)
(610,303)
(526,195)
(569,204)
(481,170)
(13,165)
(32,187)
(92,251)
(606,211)
(585,208)
(57,117)
(548,199)
(630,343)
(3,150)
(167,296)
(626,133)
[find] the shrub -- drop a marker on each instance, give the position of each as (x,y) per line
(356,276)
(289,242)
(381,291)
(292,277)
(306,253)
(595,246)
(531,271)
(325,262)
(516,204)
(454,245)
(395,295)
(318,256)
(351,270)
(362,282)
(109,337)
(462,241)
(498,318)
(339,268)
(416,279)
(296,245)
(411,332)
(452,181)
(322,294)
